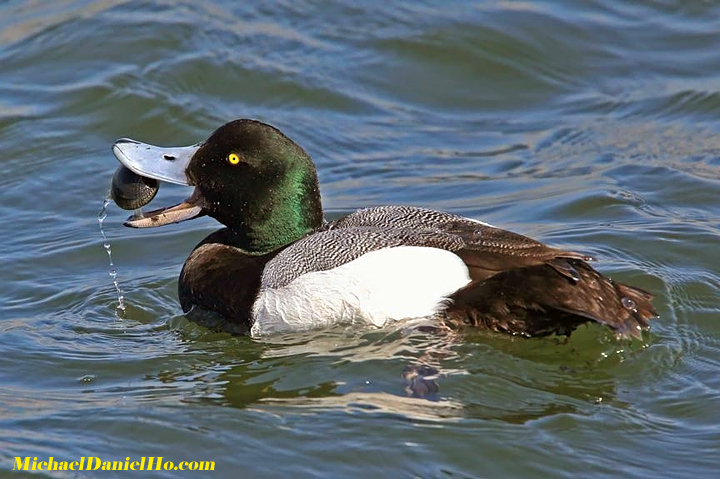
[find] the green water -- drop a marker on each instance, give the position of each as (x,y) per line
(593,128)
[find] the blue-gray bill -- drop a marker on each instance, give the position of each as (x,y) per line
(136,181)
(162,164)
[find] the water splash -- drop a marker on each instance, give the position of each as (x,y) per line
(120,309)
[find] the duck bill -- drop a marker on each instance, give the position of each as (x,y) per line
(192,207)
(163,164)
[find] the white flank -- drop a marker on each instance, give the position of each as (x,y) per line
(381,286)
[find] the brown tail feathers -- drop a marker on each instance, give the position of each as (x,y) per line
(551,298)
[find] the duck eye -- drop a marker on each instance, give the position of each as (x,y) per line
(233,159)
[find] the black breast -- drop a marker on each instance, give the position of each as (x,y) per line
(219,279)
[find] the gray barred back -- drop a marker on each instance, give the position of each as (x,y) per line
(398,216)
(371,229)
(332,248)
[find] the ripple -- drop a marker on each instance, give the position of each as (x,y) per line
(591,127)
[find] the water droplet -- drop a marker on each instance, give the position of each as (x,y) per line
(112,272)
(628,303)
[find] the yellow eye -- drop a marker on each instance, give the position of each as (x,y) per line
(233,159)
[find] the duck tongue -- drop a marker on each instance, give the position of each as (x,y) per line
(192,207)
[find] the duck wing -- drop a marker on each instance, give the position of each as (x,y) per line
(536,301)
(519,285)
(485,249)
(325,250)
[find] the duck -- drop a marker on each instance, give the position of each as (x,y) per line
(278,265)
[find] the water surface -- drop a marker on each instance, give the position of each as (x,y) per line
(592,128)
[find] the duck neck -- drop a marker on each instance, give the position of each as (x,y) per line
(280,215)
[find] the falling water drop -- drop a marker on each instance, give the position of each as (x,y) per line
(628,303)
(120,309)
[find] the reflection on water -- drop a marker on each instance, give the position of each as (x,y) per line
(484,376)
(371,403)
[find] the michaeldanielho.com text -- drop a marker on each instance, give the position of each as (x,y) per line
(97,464)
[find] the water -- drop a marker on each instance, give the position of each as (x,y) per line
(592,127)
(112,272)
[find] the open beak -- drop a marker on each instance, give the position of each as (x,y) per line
(162,164)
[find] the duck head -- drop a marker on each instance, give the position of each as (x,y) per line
(247,175)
